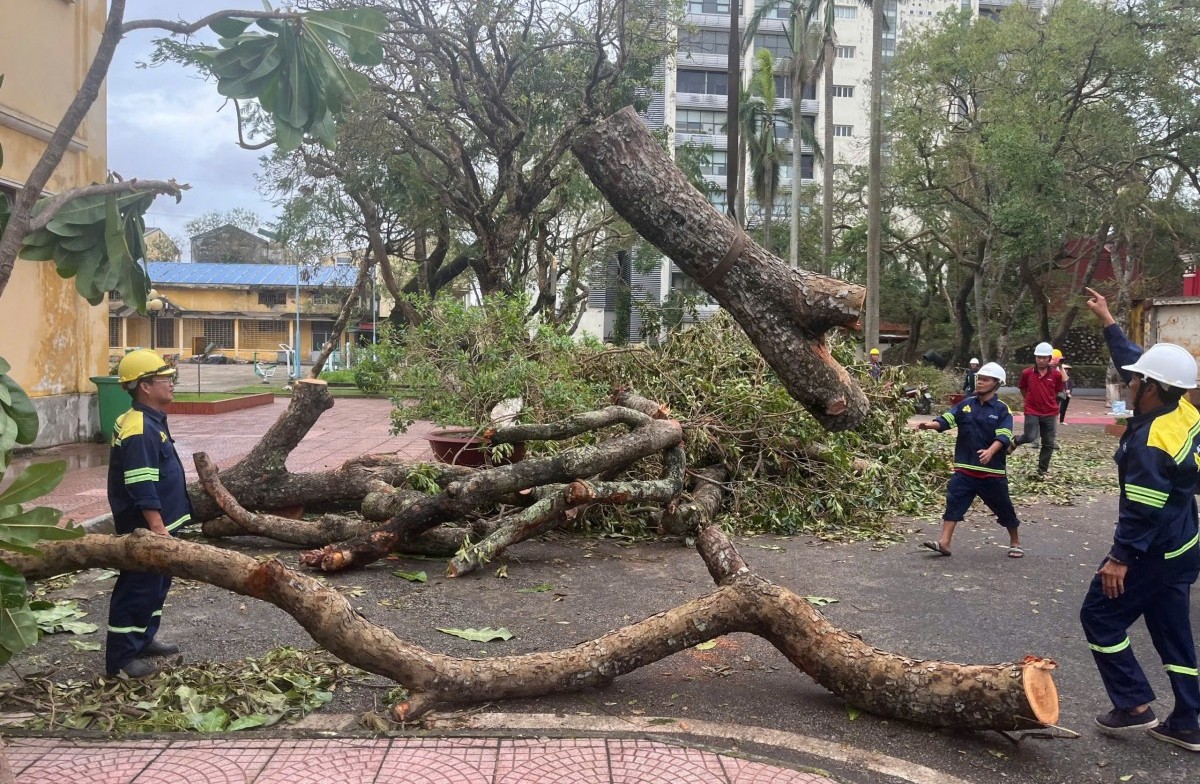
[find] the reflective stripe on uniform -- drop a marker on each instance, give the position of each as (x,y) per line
(1004,431)
(1146,495)
(1122,645)
(155,614)
(984,469)
(1184,549)
(141,475)
(126,629)
(179,522)
(948,418)
(1181,670)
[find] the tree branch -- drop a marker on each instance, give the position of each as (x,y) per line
(55,205)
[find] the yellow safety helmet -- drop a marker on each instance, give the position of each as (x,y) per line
(874,352)
(140,364)
(1056,354)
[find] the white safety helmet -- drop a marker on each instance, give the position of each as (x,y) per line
(993,370)
(974,361)
(1167,364)
(1043,349)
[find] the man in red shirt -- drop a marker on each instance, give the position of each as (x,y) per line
(1039,387)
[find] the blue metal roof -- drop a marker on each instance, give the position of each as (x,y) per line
(178,273)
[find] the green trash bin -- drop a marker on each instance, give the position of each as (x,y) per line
(114,401)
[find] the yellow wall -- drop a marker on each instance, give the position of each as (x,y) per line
(52,338)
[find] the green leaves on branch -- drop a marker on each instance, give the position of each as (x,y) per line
(18,417)
(98,240)
(290,70)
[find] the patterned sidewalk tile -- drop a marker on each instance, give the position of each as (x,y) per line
(23,752)
(440,761)
(94,764)
(579,761)
(206,765)
(637,761)
(325,762)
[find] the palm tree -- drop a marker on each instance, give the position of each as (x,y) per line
(874,176)
(758,120)
(828,54)
(805,40)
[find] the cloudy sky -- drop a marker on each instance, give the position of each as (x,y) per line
(166,122)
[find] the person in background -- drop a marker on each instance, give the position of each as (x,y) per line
(1039,387)
(1154,558)
(968,386)
(1064,397)
(876,366)
(984,431)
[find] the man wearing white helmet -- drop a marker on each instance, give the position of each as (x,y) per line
(1039,387)
(984,432)
(1155,555)
(968,387)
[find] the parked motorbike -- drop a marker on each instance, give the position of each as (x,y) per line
(921,397)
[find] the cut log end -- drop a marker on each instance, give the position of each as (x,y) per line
(1040,690)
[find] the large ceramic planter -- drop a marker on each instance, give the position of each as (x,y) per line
(462,447)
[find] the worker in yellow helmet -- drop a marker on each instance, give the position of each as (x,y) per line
(146,489)
(876,366)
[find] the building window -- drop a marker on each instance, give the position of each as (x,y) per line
(260,335)
(219,331)
(704,41)
(272,297)
(806,167)
(115,296)
(164,332)
(718,200)
(322,333)
(783,131)
(717,162)
(114,332)
(343,260)
(700,121)
(843,130)
(783,87)
(702,82)
(776,43)
(708,7)
(843,91)
(844,52)
(845,12)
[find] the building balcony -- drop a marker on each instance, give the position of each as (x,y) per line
(716,141)
(702,60)
(701,101)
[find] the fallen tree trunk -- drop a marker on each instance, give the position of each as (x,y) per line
(785,312)
(559,506)
(1002,696)
(462,497)
(688,515)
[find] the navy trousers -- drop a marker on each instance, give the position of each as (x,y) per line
(135,608)
(1159,589)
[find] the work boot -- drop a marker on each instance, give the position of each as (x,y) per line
(139,669)
(158,648)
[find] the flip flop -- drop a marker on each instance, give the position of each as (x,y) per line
(1016,552)
(937,548)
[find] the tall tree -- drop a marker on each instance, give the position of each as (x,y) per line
(875,177)
(758,120)
(805,43)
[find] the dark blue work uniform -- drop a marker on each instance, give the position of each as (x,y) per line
(144,472)
(1157,537)
(979,426)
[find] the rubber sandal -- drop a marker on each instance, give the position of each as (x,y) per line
(1016,552)
(937,548)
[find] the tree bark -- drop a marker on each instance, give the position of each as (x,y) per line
(687,515)
(463,497)
(1017,695)
(784,311)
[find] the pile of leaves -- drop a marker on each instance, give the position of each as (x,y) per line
(789,475)
(285,685)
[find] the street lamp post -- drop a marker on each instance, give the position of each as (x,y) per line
(154,306)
